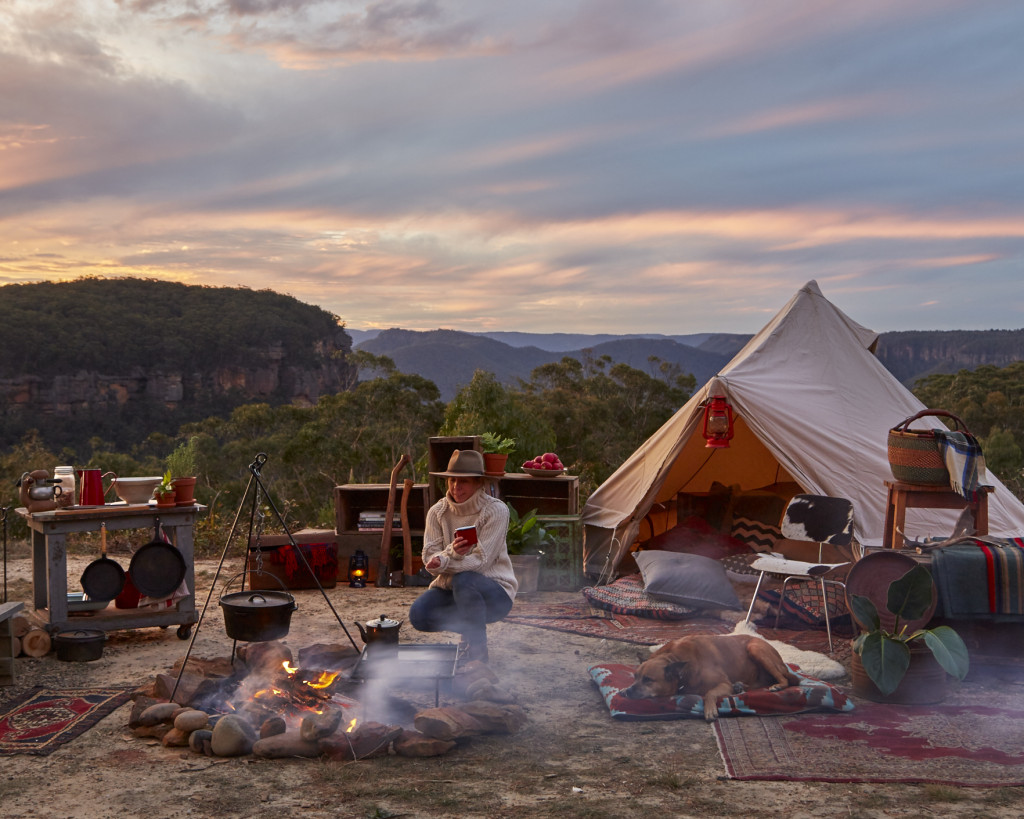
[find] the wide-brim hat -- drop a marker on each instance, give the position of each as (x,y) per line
(464,463)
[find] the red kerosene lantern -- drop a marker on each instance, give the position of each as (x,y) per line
(718,420)
(358,568)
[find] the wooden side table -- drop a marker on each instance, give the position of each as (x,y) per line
(904,496)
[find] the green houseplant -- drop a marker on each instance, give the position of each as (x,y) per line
(885,653)
(496,450)
(181,464)
(164,492)
(526,540)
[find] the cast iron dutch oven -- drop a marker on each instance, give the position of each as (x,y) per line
(255,617)
(103,579)
(79,646)
(157,568)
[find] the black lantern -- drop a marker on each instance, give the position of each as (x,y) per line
(358,568)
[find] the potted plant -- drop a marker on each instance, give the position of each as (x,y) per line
(181,464)
(164,492)
(899,665)
(496,450)
(526,540)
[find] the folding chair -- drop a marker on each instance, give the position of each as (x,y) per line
(815,519)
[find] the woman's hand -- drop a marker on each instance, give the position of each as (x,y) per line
(433,563)
(461,546)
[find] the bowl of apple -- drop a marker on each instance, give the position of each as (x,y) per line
(547,465)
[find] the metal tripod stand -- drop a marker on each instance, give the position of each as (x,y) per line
(256,489)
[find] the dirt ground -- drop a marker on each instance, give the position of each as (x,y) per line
(570,760)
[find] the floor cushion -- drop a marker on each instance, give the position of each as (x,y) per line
(627,596)
(687,580)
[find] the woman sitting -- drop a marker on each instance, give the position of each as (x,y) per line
(473,581)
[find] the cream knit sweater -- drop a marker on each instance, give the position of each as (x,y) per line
(489,558)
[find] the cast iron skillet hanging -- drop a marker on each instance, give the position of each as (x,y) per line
(157,568)
(103,579)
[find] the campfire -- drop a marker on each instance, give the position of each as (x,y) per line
(272,705)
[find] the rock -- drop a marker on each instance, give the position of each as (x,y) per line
(496,718)
(232,736)
(175,738)
(154,731)
(272,727)
(317,726)
(140,704)
(367,740)
(186,687)
(288,744)
(482,689)
(191,719)
(413,743)
(265,657)
(200,741)
(447,723)
(156,714)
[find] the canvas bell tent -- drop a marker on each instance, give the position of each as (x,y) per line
(812,409)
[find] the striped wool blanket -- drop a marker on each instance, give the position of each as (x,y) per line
(980,577)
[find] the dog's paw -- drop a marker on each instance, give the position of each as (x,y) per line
(778,687)
(710,711)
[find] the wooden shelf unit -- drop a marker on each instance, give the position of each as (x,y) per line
(353,498)
(559,495)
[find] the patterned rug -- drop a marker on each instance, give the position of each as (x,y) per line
(579,617)
(42,720)
(968,745)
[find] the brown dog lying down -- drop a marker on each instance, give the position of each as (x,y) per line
(711,666)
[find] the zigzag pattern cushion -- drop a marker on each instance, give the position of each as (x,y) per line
(627,596)
(760,537)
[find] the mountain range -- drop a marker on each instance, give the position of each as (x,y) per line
(450,357)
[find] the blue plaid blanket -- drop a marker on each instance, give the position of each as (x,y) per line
(965,461)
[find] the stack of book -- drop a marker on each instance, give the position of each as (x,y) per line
(373,521)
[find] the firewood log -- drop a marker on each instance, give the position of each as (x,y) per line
(35,643)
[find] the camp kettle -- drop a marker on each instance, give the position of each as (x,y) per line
(92,491)
(382,632)
(38,492)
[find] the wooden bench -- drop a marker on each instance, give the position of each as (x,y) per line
(7,651)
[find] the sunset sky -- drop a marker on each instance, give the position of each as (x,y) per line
(594,166)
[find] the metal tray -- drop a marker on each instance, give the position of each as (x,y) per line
(415,661)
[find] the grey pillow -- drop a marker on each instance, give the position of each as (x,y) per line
(685,579)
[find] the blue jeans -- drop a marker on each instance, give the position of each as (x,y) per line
(471,603)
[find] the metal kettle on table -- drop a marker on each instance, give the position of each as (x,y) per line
(38,492)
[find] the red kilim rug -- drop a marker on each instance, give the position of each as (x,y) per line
(43,720)
(947,744)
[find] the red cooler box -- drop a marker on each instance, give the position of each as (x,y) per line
(318,546)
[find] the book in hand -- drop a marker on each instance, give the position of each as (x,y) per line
(468,533)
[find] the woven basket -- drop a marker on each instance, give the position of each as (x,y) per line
(915,455)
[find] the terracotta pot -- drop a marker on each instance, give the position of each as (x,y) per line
(494,463)
(165,500)
(184,491)
(924,683)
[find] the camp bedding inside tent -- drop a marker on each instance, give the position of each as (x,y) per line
(813,407)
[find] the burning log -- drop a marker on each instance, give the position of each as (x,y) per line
(367,740)
(413,743)
(335,656)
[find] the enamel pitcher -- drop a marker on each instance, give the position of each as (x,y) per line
(91,491)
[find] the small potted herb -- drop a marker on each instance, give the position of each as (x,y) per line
(164,491)
(181,464)
(496,450)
